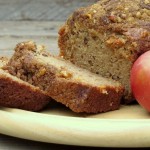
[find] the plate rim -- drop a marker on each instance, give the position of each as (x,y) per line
(61,124)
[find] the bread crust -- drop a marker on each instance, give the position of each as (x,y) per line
(83,98)
(77,95)
(16,93)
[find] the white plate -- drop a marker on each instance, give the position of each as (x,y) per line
(127,127)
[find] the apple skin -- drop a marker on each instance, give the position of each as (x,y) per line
(140,80)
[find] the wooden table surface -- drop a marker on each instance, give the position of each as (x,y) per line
(45,10)
(13,32)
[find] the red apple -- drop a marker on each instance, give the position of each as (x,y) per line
(140,80)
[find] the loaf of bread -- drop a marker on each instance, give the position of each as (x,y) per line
(16,93)
(76,88)
(107,37)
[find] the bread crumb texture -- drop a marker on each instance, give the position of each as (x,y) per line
(107,37)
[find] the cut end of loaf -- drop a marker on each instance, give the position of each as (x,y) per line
(90,52)
(106,38)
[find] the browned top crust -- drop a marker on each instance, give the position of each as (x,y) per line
(3,61)
(16,93)
(127,23)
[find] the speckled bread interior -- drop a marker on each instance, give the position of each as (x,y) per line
(107,37)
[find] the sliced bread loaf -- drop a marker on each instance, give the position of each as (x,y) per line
(16,93)
(107,37)
(78,89)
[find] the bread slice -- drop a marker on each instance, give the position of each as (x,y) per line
(107,37)
(16,93)
(78,89)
